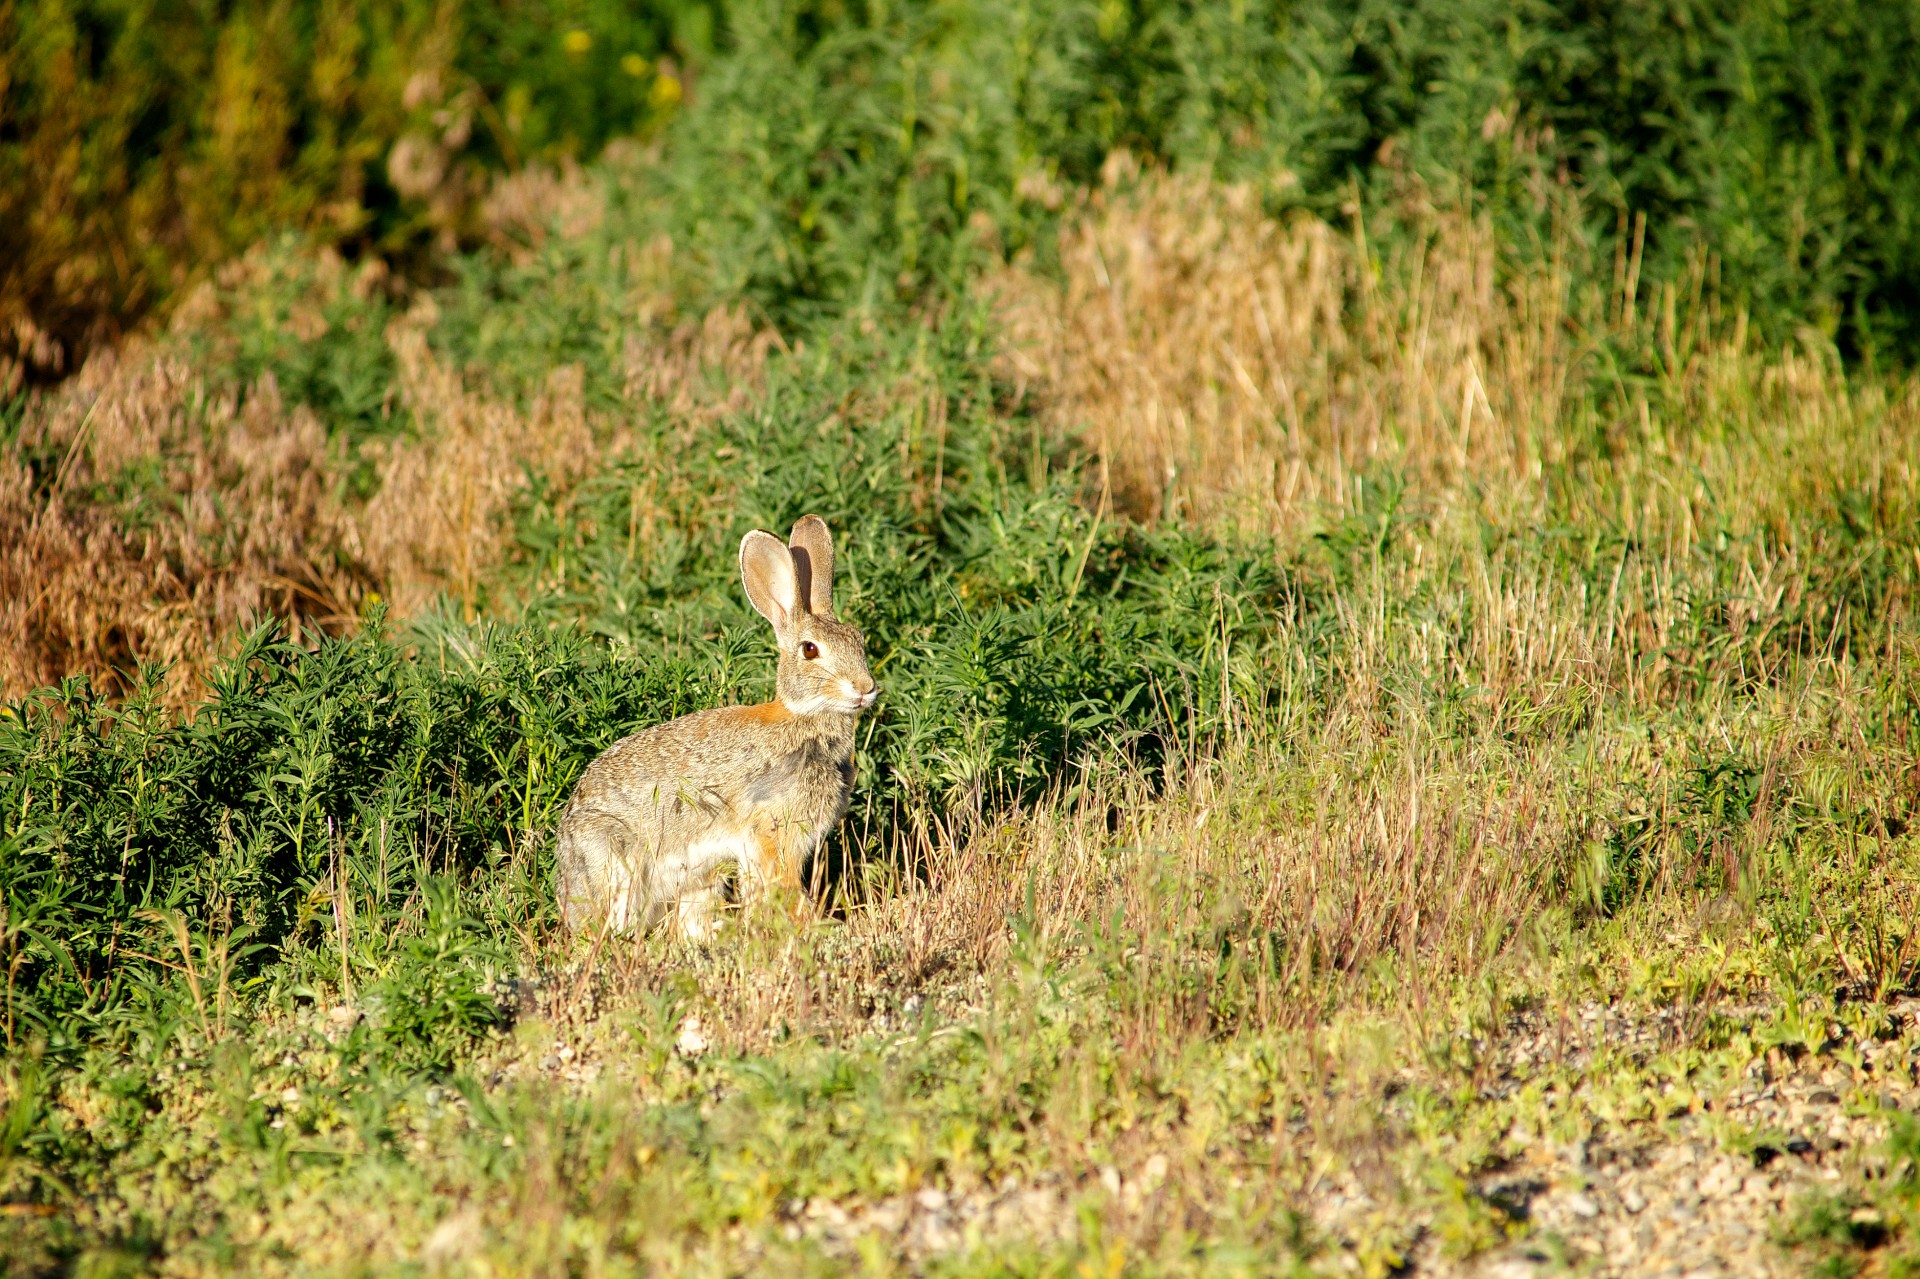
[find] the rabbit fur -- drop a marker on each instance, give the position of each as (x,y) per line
(661,820)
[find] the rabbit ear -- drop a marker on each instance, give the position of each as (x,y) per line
(812,547)
(766,567)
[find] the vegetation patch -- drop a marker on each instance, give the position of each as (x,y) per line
(1396,740)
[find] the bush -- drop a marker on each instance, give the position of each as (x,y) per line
(837,154)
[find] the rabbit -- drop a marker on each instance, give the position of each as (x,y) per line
(661,818)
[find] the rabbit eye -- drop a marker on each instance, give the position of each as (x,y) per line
(809,650)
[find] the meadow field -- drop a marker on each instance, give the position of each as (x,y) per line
(1389,535)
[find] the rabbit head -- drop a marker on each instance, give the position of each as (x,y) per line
(823,661)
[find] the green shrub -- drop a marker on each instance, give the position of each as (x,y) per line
(836,154)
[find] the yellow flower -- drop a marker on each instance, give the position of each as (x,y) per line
(576,42)
(665,91)
(634,65)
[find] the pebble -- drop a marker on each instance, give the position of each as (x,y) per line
(692,1040)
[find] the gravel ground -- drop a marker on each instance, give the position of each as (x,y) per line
(1670,1198)
(1700,1193)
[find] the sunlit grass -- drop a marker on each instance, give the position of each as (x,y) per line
(1278,724)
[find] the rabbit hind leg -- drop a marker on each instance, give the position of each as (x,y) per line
(598,886)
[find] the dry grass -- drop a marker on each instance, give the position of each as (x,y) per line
(1220,359)
(1222,365)
(435,523)
(1225,364)
(1417,875)
(148,516)
(237,519)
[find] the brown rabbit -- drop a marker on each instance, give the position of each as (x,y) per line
(662,817)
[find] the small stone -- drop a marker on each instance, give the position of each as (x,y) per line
(1110,1179)
(1824,1097)
(1582,1205)
(1720,1182)
(933,1234)
(456,1237)
(693,1038)
(291,1096)
(1575,1153)
(828,1211)
(888,1216)
(1633,1201)
(931,1199)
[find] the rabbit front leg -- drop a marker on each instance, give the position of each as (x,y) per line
(772,868)
(694,884)
(697,915)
